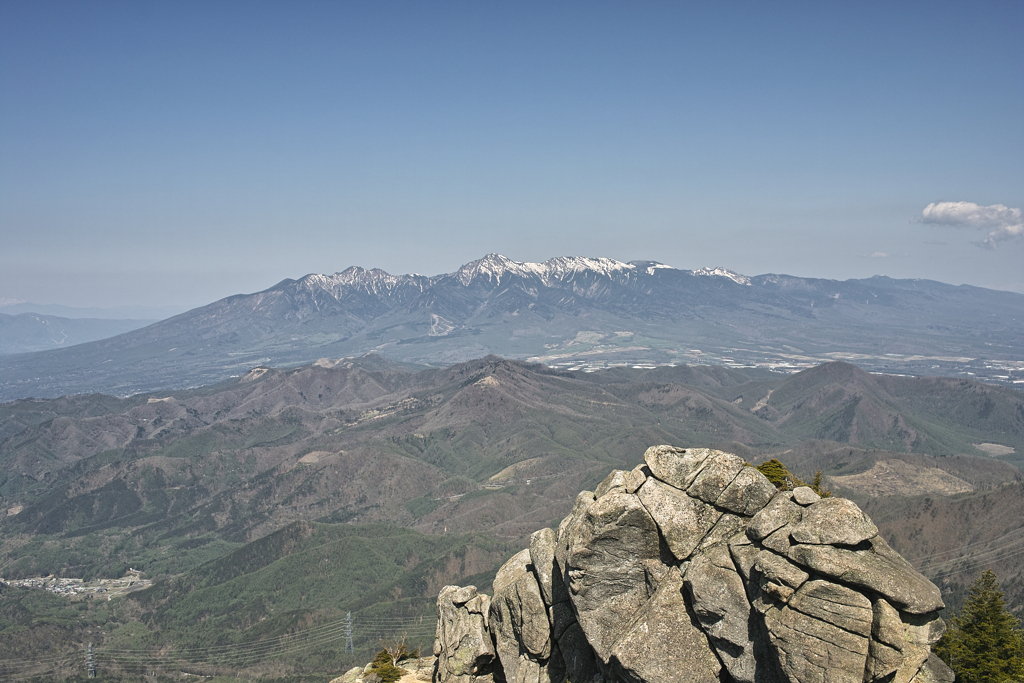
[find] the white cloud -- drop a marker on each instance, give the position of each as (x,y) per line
(1002,222)
(878,254)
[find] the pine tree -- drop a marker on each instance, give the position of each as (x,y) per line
(984,643)
(784,480)
(779,475)
(818,486)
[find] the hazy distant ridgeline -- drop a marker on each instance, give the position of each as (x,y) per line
(28,332)
(567,310)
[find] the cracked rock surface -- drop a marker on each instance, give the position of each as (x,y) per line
(692,567)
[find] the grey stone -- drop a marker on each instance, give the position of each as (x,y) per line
(542,557)
(572,520)
(934,670)
(776,591)
(835,604)
(805,495)
(791,594)
(511,571)
(877,568)
(780,570)
(914,657)
(463,595)
(923,629)
(519,620)
(883,661)
(898,650)
(778,540)
(462,642)
(920,632)
(561,616)
(719,601)
(611,566)
(350,676)
(810,650)
(727,527)
(747,494)
(553,670)
(526,670)
(744,556)
(741,537)
(683,521)
(615,481)
(779,512)
(676,466)
(636,478)
(481,604)
(720,469)
(834,521)
(662,644)
(886,626)
(529,670)
(578,656)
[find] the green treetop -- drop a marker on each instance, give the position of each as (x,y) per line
(784,480)
(984,643)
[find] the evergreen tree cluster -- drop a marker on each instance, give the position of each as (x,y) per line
(984,643)
(784,480)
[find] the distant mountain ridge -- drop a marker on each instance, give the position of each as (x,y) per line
(565,311)
(148,313)
(28,332)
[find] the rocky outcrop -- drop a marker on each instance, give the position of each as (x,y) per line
(692,567)
(463,644)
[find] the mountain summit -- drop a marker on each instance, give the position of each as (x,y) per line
(493,268)
(571,311)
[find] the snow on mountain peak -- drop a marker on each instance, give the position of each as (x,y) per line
(496,266)
(493,268)
(723,272)
(375,281)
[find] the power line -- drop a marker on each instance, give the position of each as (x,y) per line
(349,648)
(969,545)
(242,655)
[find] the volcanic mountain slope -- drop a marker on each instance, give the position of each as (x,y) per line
(28,332)
(565,308)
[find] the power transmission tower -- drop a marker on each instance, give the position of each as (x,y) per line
(89,666)
(349,648)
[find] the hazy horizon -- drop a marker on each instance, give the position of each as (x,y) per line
(163,154)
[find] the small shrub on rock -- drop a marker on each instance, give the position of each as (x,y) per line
(384,668)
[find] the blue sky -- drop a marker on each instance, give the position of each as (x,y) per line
(175,153)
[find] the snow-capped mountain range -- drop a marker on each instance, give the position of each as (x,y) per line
(558,311)
(495,268)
